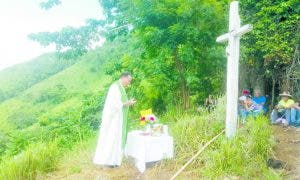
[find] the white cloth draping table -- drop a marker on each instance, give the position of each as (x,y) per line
(148,148)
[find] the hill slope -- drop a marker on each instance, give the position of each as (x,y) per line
(52,91)
(20,77)
(63,107)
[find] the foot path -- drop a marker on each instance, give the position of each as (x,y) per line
(288,149)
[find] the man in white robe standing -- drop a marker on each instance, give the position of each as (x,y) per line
(113,130)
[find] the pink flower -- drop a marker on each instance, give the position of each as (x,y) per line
(152,118)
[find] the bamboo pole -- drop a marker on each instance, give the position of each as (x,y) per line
(197,154)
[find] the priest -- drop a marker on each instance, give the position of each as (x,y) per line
(113,130)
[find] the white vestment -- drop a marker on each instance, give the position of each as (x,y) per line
(109,147)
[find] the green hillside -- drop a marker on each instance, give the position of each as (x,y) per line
(53,92)
(20,77)
(62,109)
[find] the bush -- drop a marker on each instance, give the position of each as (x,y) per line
(3,141)
(37,158)
(23,119)
(92,105)
(192,130)
(55,95)
(244,155)
(18,140)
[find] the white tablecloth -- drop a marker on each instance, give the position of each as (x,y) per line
(148,148)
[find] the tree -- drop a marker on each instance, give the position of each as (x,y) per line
(179,59)
(72,42)
(270,47)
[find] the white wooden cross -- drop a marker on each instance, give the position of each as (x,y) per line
(232,52)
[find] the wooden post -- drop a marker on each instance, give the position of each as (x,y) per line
(233,52)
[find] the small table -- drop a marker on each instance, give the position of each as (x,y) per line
(147,148)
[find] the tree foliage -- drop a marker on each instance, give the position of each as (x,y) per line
(270,47)
(173,54)
(178,59)
(48,4)
(73,42)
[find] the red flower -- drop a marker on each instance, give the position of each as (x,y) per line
(143,118)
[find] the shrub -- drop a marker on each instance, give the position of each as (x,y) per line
(244,155)
(56,95)
(38,157)
(18,140)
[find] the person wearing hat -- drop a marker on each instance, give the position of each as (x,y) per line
(251,108)
(248,106)
(245,94)
(242,103)
(282,112)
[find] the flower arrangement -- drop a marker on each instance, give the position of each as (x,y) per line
(147,117)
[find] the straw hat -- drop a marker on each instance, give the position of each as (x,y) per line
(286,94)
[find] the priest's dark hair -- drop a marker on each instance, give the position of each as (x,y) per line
(125,74)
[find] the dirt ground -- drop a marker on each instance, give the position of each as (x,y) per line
(288,150)
(127,171)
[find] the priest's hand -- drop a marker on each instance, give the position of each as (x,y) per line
(130,102)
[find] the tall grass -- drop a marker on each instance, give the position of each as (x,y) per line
(191,129)
(37,158)
(244,156)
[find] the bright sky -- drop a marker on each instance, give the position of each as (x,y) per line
(18,18)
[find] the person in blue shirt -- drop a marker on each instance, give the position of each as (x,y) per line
(250,108)
(259,99)
(295,114)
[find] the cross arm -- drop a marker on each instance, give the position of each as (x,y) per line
(243,30)
(223,38)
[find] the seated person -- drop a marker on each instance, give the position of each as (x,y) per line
(259,99)
(210,103)
(250,107)
(282,112)
(242,101)
(245,94)
(295,114)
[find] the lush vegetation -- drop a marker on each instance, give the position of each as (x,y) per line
(271,51)
(244,156)
(52,104)
(177,39)
(177,46)
(59,111)
(173,42)
(38,157)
